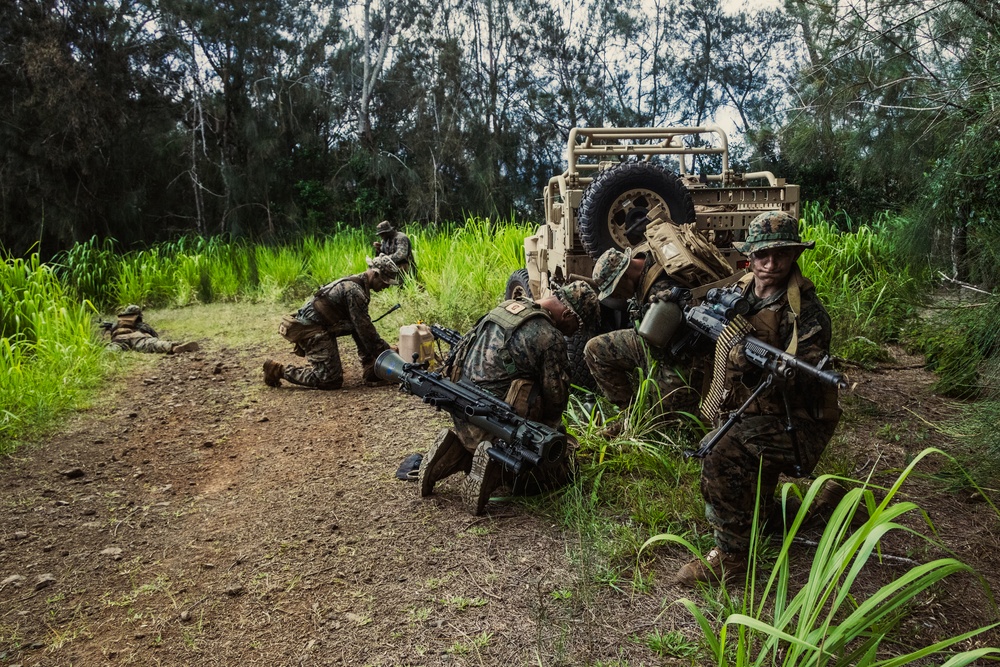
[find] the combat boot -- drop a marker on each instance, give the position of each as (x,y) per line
(484,478)
(185,347)
(445,457)
(716,567)
(273,373)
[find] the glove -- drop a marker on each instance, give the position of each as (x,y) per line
(737,359)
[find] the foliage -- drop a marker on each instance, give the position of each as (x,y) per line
(868,290)
(48,352)
(825,622)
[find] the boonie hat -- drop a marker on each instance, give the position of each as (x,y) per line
(609,269)
(386,268)
(384,227)
(579,297)
(773,229)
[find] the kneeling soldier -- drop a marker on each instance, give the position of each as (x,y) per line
(517,352)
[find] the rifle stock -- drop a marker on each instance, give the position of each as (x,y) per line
(518,442)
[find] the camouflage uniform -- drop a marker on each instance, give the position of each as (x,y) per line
(760,442)
(129,332)
(614,357)
(517,353)
(396,246)
(337,309)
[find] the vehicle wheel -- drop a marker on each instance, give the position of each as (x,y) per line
(614,206)
(518,286)
(579,374)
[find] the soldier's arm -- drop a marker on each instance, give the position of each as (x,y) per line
(401,249)
(357,308)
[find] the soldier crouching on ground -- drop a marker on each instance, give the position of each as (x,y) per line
(337,309)
(785,313)
(517,352)
(131,333)
(614,358)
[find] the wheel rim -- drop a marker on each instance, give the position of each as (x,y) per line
(628,209)
(518,292)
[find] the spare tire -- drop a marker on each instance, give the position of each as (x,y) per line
(519,286)
(615,204)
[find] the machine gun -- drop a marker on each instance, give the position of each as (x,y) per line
(518,443)
(719,318)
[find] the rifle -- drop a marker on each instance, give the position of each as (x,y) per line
(719,316)
(450,336)
(517,442)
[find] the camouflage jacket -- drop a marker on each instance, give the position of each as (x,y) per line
(341,307)
(130,324)
(773,322)
(398,248)
(538,351)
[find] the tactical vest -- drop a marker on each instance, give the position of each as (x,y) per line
(323,304)
(509,316)
(812,400)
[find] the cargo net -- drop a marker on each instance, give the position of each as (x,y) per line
(733,335)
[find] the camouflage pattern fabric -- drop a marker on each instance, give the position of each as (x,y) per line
(538,388)
(613,359)
(759,441)
(581,298)
(539,352)
(729,473)
(772,229)
(347,301)
(140,341)
(398,248)
(325,370)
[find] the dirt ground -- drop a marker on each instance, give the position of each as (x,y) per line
(194,516)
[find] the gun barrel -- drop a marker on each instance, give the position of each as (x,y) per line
(520,438)
(757,347)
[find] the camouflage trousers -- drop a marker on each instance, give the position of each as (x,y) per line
(325,370)
(758,443)
(615,359)
(142,342)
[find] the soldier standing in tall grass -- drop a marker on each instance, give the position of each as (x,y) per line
(395,245)
(337,309)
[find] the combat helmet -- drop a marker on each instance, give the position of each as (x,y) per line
(609,269)
(579,297)
(384,227)
(773,229)
(131,310)
(385,267)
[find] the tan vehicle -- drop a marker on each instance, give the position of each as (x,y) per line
(615,176)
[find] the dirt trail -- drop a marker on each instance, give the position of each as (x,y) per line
(196,517)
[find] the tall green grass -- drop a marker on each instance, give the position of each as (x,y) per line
(48,352)
(463,269)
(869,291)
(826,621)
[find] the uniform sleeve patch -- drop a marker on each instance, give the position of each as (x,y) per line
(515,308)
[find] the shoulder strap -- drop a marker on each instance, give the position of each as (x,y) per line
(510,316)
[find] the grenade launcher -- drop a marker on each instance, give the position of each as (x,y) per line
(517,442)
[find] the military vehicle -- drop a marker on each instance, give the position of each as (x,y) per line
(615,177)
